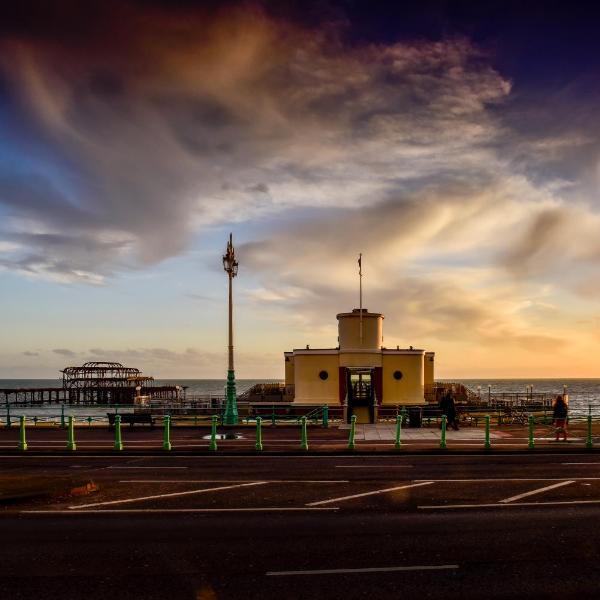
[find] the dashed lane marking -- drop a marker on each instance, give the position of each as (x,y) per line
(170,495)
(140,467)
(384,491)
(373,466)
(363,570)
(536,491)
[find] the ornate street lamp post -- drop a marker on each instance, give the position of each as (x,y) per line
(230,265)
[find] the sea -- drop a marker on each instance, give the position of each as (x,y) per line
(582,392)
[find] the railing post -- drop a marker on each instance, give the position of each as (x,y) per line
(258,445)
(118,440)
(443,436)
(71,434)
(398,442)
(531,439)
(351,444)
(588,442)
(273,416)
(213,434)
(303,434)
(22,439)
(167,432)
(8,422)
(487,445)
(62,416)
(325,416)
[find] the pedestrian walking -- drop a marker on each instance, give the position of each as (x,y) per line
(448,408)
(559,417)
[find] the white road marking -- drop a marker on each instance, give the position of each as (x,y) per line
(119,467)
(514,504)
(364,570)
(170,495)
(232,480)
(384,491)
(581,463)
(134,511)
(536,491)
(492,479)
(373,466)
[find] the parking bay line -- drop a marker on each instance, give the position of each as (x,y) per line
(493,479)
(170,495)
(536,491)
(363,570)
(512,505)
(232,480)
(139,511)
(384,491)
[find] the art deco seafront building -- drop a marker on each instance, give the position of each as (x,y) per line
(361,374)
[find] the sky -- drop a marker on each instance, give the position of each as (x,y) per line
(456,145)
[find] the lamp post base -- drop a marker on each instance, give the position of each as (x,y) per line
(231,411)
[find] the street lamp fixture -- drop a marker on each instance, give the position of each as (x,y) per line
(230,264)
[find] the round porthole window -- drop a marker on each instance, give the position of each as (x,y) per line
(397,374)
(323,375)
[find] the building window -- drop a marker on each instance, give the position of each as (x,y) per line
(398,375)
(323,375)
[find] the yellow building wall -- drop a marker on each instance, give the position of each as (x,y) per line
(360,359)
(409,389)
(429,368)
(349,331)
(309,387)
(289,370)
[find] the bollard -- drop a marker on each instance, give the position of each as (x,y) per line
(71,434)
(443,438)
(62,416)
(531,440)
(89,421)
(351,444)
(487,445)
(8,422)
(213,434)
(22,440)
(397,444)
(588,442)
(167,432)
(258,445)
(118,440)
(303,435)
(326,416)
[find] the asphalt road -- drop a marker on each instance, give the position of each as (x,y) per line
(500,526)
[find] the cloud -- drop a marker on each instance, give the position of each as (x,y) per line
(132,149)
(65,352)
(29,353)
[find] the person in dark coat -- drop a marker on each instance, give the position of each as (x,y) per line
(448,408)
(559,416)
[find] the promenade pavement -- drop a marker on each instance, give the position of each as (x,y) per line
(286,438)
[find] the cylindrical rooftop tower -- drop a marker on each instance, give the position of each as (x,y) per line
(349,330)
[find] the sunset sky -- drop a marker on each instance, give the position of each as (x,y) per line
(456,146)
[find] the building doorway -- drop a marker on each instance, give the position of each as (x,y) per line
(361,394)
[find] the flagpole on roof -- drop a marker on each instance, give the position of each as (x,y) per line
(360,298)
